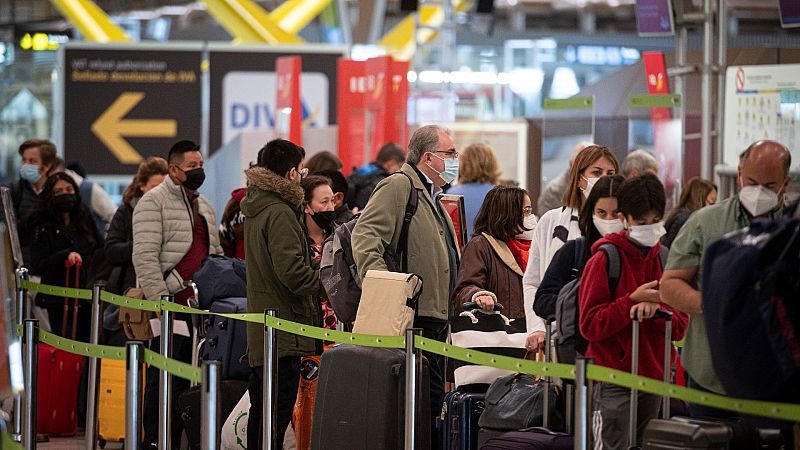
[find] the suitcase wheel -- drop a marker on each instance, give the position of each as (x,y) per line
(102,443)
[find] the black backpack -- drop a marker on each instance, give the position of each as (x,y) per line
(338,270)
(568,340)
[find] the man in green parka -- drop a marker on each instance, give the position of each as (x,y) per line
(279,275)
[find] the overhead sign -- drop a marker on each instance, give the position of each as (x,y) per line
(654,18)
(243,88)
(124,104)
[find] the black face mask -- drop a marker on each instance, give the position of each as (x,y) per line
(64,203)
(324,219)
(194,178)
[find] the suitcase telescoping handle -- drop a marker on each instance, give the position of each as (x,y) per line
(69,265)
(472,306)
(634,403)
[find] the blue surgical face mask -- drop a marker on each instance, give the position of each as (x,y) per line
(450,172)
(30,173)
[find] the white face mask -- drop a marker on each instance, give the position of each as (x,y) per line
(758,200)
(647,235)
(590,182)
(530,223)
(605,227)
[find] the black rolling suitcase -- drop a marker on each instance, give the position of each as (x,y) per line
(686,433)
(226,339)
(360,400)
(459,419)
(230,392)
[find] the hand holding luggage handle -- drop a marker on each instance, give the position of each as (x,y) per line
(634,403)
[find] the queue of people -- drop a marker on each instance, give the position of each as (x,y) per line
(164,230)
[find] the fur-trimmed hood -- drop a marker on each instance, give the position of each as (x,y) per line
(261,180)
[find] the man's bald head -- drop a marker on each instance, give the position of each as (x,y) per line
(765,163)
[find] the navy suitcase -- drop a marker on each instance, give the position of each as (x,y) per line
(458,422)
(226,339)
(361,400)
(531,439)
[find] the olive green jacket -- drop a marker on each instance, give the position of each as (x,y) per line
(378,229)
(279,269)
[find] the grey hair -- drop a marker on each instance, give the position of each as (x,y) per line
(425,139)
(639,161)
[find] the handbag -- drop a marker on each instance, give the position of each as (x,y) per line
(489,332)
(136,322)
(516,402)
(388,303)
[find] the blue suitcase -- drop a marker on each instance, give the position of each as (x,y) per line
(226,339)
(458,421)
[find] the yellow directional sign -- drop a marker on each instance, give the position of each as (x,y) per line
(112,128)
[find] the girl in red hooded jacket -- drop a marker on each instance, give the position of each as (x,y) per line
(605,316)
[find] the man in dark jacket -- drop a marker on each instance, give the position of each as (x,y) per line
(363,181)
(279,275)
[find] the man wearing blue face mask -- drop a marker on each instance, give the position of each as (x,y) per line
(763,179)
(38,160)
(431,251)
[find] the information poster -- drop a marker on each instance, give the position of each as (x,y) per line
(762,102)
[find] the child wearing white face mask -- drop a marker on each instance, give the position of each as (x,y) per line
(605,314)
(597,218)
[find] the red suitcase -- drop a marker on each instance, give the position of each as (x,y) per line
(59,375)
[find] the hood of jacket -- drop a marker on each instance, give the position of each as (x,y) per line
(626,246)
(261,181)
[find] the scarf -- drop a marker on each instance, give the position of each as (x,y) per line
(520,248)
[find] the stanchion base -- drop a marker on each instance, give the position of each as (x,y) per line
(16,438)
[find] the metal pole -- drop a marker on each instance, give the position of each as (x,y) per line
(667,365)
(706,92)
(210,406)
(94,373)
(376,24)
(22,314)
(722,62)
(681,45)
(546,404)
(134,352)
(165,382)
(31,338)
(633,407)
(270,384)
(411,387)
(344,21)
(582,412)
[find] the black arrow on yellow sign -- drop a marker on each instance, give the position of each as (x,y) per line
(112,128)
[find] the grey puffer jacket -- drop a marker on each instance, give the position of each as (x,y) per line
(162,234)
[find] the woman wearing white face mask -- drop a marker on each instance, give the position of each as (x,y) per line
(560,225)
(598,218)
(494,260)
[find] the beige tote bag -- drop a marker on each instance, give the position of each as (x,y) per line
(388,303)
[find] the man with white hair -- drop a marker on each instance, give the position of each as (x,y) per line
(431,249)
(639,162)
(553,194)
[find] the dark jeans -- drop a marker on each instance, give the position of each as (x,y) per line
(182,351)
(434,329)
(288,382)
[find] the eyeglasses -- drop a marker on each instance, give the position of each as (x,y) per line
(527,211)
(451,153)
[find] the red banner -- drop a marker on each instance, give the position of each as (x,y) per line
(288,106)
(351,113)
(386,103)
(655,68)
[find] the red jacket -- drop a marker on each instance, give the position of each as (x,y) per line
(605,316)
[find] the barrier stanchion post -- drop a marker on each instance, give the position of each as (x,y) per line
(22,314)
(413,357)
(547,358)
(94,373)
(582,413)
(134,355)
(210,405)
(667,364)
(165,381)
(30,363)
(270,384)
